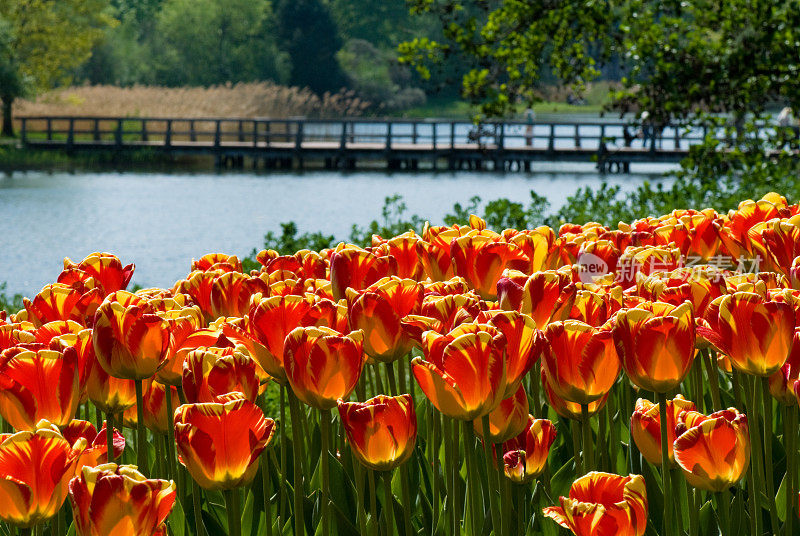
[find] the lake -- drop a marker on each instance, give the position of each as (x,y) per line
(162,221)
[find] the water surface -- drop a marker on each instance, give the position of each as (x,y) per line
(162,221)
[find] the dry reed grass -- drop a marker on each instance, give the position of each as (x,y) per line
(251,100)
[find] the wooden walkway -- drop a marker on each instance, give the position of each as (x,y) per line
(352,143)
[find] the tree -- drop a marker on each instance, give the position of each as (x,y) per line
(207,42)
(681,59)
(308,33)
(44,40)
(506,47)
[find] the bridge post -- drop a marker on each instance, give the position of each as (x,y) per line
(298,140)
(118,134)
(452,135)
(267,132)
(144,130)
(168,135)
(434,137)
(389,136)
(241,131)
(577,136)
(71,133)
(24,132)
(255,139)
(96,129)
(49,129)
(192,133)
(551,142)
(218,134)
(343,137)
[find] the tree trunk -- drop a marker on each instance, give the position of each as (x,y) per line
(8,123)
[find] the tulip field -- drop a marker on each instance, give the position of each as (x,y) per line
(459,381)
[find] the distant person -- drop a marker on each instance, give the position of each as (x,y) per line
(530,119)
(646,131)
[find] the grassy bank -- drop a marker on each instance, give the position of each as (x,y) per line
(16,158)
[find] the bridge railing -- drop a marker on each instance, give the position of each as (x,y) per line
(411,134)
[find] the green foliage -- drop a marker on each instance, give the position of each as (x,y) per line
(307,32)
(393,222)
(505,51)
(233,38)
(9,303)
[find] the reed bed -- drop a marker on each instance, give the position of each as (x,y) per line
(246,100)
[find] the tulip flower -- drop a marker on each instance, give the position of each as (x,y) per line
(38,384)
(544,296)
(130,340)
(463,372)
(507,420)
(713,451)
(540,246)
(211,372)
(567,409)
(646,426)
(781,382)
(59,301)
(269,321)
(579,360)
(523,345)
(156,417)
(231,293)
(481,256)
(16,333)
(36,467)
(217,261)
(104,268)
(525,456)
(403,248)
(646,260)
(198,286)
(381,431)
(118,500)
(323,365)
(357,268)
(220,443)
(655,342)
(755,333)
(96,452)
(602,504)
(184,324)
(112,395)
(378,311)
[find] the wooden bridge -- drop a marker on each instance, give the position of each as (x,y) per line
(363,142)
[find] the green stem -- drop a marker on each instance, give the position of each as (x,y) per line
(681,495)
(433,428)
(696,376)
(535,387)
(756,451)
(284,448)
(297,450)
(493,483)
(789,435)
(505,494)
(401,375)
(141,453)
(325,432)
(766,400)
(373,501)
(713,379)
(378,381)
(358,471)
(266,487)
(408,507)
(392,382)
(723,506)
(110,437)
(388,506)
(576,448)
(665,479)
(588,450)
(232,508)
(473,486)
(170,433)
(196,507)
(520,493)
(694,511)
(454,462)
(602,447)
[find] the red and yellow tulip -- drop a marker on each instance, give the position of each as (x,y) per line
(36,466)
(602,504)
(646,426)
(220,443)
(381,431)
(713,451)
(323,365)
(118,500)
(525,456)
(211,372)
